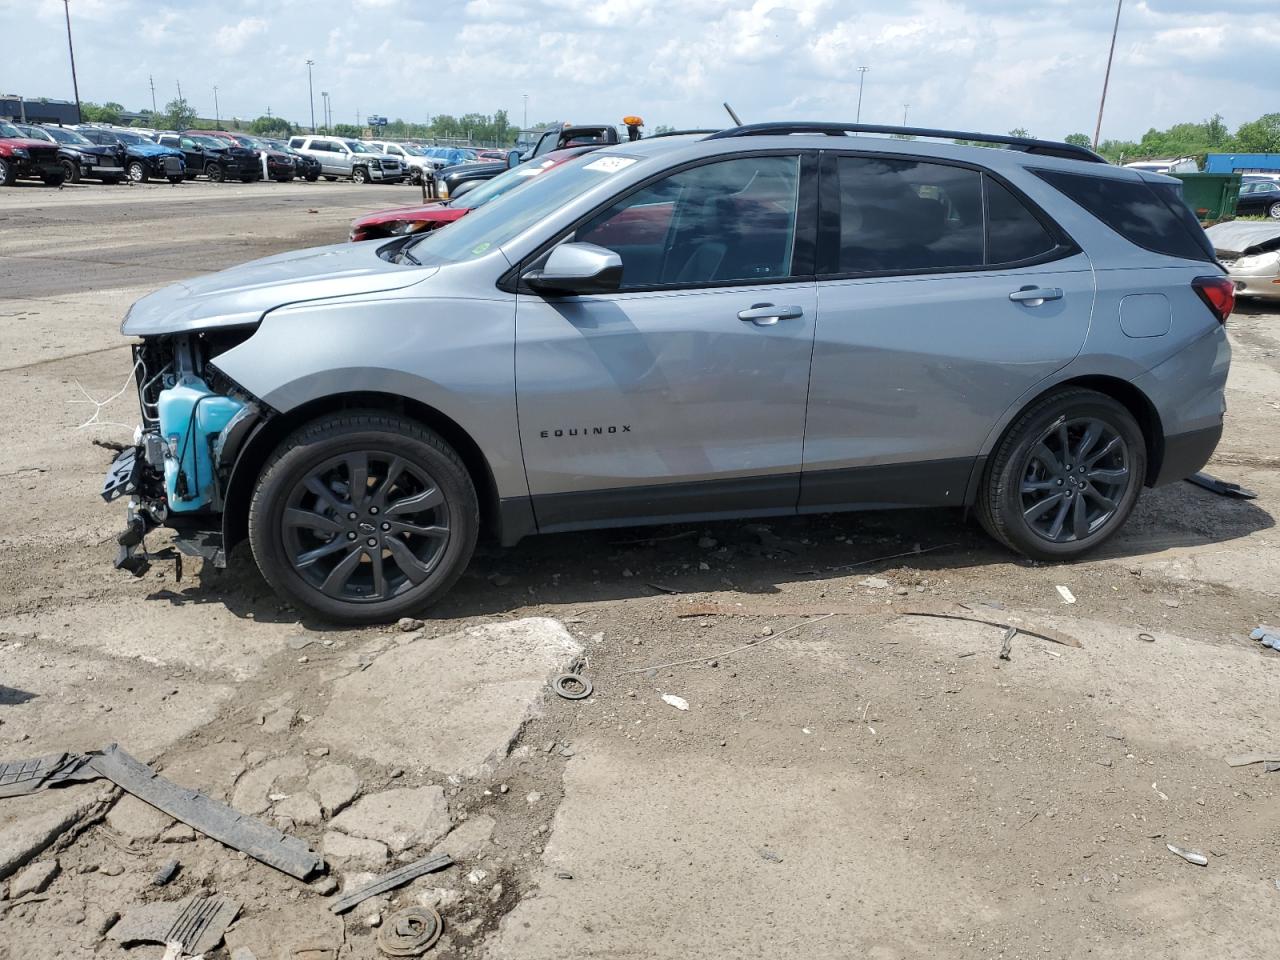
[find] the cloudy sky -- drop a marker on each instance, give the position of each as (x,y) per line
(968,64)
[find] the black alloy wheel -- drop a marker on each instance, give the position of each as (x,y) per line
(1073,480)
(70,170)
(215,172)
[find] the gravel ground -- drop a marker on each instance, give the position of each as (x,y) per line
(873,783)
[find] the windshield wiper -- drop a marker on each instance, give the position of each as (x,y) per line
(406,255)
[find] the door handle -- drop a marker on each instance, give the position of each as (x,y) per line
(766,314)
(1034,296)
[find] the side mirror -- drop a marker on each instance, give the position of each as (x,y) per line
(513,159)
(577,268)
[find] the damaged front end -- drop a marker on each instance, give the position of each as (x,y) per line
(194,422)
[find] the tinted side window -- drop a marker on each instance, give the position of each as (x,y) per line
(1013,232)
(1153,216)
(723,221)
(904,216)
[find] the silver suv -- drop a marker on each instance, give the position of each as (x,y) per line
(774,319)
(342,158)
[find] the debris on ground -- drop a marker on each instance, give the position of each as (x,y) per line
(1006,646)
(396,878)
(1269,636)
(21,777)
(755,642)
(167,872)
(33,879)
(174,951)
(1222,488)
(1245,759)
(196,924)
(680,703)
(572,686)
(966,612)
(1191,856)
(1066,594)
(767,854)
(410,932)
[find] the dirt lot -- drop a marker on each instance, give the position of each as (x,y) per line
(870,784)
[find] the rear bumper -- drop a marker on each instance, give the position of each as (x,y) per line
(1187,453)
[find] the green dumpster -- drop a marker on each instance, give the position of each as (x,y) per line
(1212,196)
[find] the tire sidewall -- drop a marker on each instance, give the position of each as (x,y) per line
(1007,498)
(328,439)
(141,169)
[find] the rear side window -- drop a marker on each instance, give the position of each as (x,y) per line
(1014,233)
(1151,215)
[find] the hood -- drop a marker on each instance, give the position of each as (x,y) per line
(1244,237)
(28,144)
(473,169)
(421,213)
(152,150)
(240,296)
(93,149)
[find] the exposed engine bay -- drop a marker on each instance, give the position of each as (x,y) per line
(194,422)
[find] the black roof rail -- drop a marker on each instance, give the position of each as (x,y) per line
(678,133)
(1044,148)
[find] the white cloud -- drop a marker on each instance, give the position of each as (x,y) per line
(976,64)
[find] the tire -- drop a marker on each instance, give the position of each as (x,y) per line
(215,172)
(8,176)
(54,179)
(70,171)
(359,175)
(1027,472)
(137,171)
(1273,211)
(323,452)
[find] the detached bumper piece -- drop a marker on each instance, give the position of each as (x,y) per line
(122,481)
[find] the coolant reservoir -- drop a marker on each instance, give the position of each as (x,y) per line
(191,417)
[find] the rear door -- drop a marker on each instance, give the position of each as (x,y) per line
(943,296)
(682,394)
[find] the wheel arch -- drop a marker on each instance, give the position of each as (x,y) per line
(269,434)
(1122,391)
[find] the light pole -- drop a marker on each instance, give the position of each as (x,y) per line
(66,5)
(525,96)
(1106,79)
(217,113)
(862,78)
(311,95)
(324,109)
(905,108)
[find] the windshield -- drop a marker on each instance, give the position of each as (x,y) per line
(357,147)
(32,133)
(9,130)
(128,137)
(507,180)
(508,216)
(413,151)
(210,142)
(66,136)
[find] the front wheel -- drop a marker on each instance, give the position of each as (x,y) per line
(8,176)
(216,173)
(70,171)
(1273,211)
(360,175)
(1065,476)
(137,172)
(363,517)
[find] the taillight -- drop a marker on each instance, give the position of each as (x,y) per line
(1218,294)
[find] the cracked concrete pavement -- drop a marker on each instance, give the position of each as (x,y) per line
(871,784)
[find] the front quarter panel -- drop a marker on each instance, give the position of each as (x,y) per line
(453,353)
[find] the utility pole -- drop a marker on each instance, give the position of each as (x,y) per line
(75,85)
(152,80)
(1106,79)
(179,83)
(311,95)
(217,112)
(862,78)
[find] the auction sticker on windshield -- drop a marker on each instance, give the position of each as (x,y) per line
(610,164)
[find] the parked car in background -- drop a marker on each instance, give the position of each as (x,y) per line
(305,167)
(424,217)
(1251,253)
(279,166)
(80,156)
(456,179)
(1259,198)
(341,158)
(779,319)
(217,159)
(417,164)
(448,156)
(144,158)
(23,156)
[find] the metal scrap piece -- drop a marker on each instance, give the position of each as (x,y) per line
(1244,759)
(1222,488)
(21,777)
(947,611)
(1191,856)
(212,818)
(197,923)
(389,881)
(410,932)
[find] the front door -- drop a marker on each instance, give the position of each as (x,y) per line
(943,297)
(683,394)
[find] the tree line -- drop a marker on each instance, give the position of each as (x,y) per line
(1193,140)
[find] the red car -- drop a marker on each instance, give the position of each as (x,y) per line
(23,157)
(399,221)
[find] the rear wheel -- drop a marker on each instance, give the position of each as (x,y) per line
(1273,211)
(137,171)
(360,175)
(363,517)
(1065,476)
